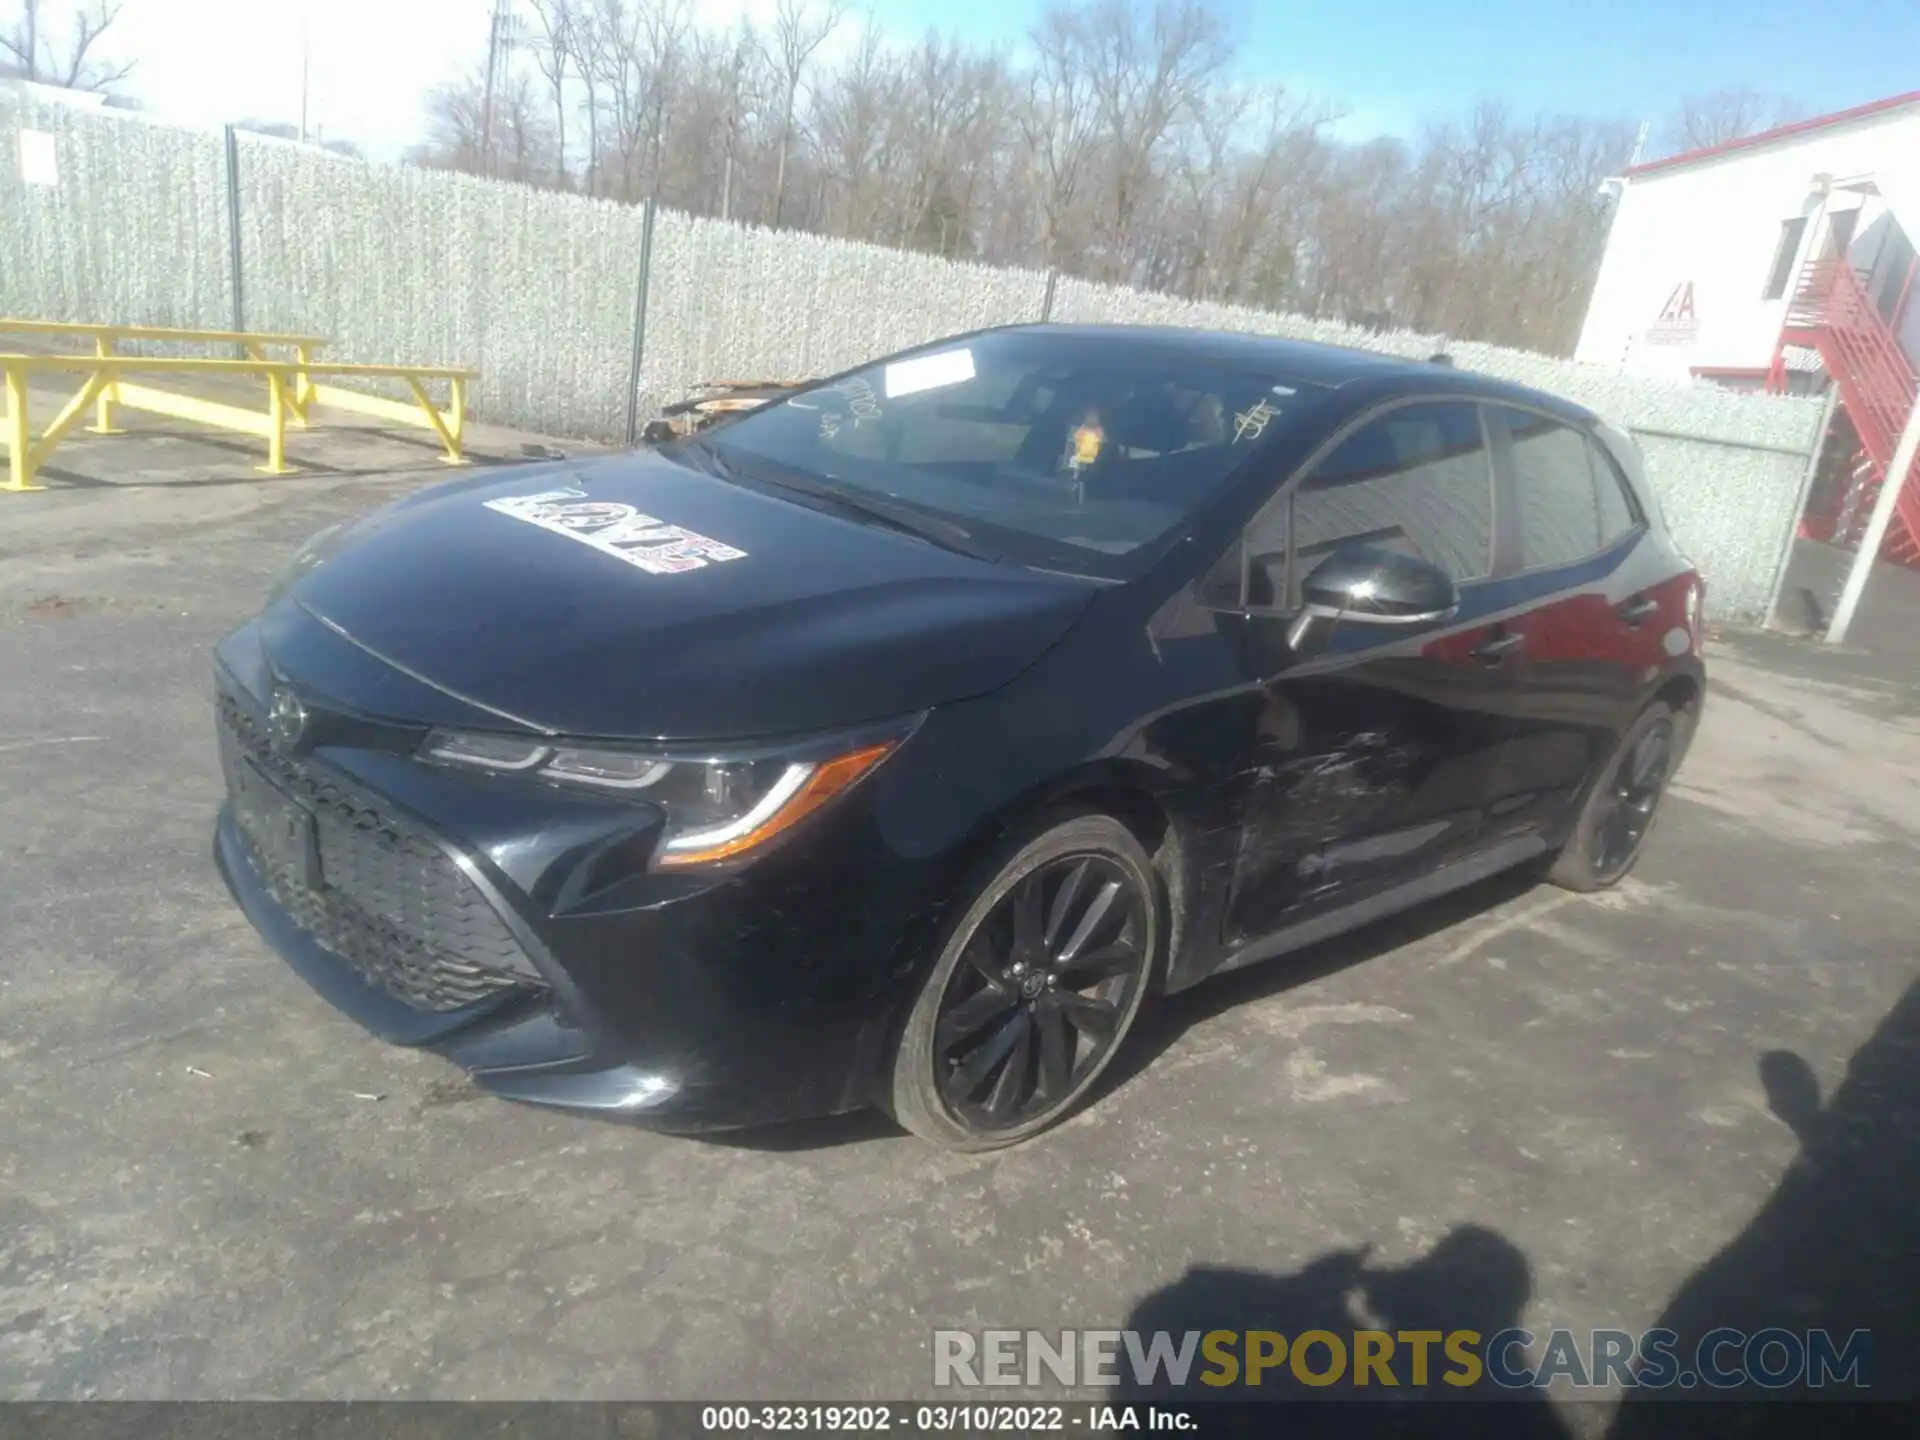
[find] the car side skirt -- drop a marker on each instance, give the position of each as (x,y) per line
(1468,870)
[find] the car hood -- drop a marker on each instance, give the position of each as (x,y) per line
(632,597)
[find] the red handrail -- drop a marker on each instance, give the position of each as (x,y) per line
(1830,308)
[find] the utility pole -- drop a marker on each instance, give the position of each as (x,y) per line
(306,56)
(496,25)
(733,132)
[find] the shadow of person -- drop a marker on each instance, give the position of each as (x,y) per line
(1473,1279)
(1836,1248)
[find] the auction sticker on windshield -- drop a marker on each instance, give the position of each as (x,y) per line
(928,372)
(618,529)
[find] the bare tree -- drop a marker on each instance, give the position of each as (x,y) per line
(639,50)
(555,55)
(587,39)
(1244,182)
(857,115)
(955,132)
(453,115)
(1703,121)
(455,118)
(737,106)
(1117,147)
(626,77)
(1149,73)
(666,27)
(530,155)
(798,31)
(36,55)
(519,143)
(1060,125)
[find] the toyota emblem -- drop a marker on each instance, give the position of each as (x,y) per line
(286,720)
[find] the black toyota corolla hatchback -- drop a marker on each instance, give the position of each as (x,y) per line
(894,743)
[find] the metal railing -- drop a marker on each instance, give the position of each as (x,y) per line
(1832,311)
(1831,303)
(110,335)
(292,390)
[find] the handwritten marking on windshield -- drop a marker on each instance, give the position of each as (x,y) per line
(862,402)
(1251,424)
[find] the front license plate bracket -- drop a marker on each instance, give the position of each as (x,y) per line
(280,827)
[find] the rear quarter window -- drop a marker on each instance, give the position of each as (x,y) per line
(1618,514)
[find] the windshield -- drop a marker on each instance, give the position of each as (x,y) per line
(1069,452)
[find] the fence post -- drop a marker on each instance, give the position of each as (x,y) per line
(1046,304)
(239,316)
(639,324)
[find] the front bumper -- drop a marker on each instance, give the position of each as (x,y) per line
(685,1003)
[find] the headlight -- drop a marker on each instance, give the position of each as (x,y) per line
(718,807)
(314,552)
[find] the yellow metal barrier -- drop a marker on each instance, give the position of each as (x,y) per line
(105,338)
(291,392)
(113,333)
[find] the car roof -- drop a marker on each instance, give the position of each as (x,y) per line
(1309,361)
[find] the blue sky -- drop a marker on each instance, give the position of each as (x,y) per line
(1390,64)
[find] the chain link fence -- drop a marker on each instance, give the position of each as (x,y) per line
(579,318)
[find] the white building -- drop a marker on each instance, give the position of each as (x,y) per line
(1706,247)
(1782,262)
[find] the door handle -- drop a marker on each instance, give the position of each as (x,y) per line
(1639,610)
(1492,651)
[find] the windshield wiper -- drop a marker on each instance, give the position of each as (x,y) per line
(859,505)
(711,461)
(905,519)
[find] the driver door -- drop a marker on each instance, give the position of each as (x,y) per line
(1377,747)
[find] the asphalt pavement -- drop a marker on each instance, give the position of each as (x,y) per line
(1693,1097)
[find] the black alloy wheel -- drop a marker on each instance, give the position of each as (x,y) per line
(1620,807)
(1631,795)
(1035,990)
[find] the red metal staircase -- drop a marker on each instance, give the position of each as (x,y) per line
(1832,314)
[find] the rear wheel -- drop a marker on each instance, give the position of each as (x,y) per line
(1037,986)
(1619,810)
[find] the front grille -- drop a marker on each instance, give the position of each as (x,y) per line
(387,900)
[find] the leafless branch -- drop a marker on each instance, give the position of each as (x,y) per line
(1704,121)
(1118,145)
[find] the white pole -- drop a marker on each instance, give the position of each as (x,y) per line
(1876,535)
(1823,436)
(306,59)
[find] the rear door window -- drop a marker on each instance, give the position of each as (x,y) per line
(1560,500)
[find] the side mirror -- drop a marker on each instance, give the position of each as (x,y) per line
(1375,585)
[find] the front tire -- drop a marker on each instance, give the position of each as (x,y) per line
(1619,810)
(1034,991)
